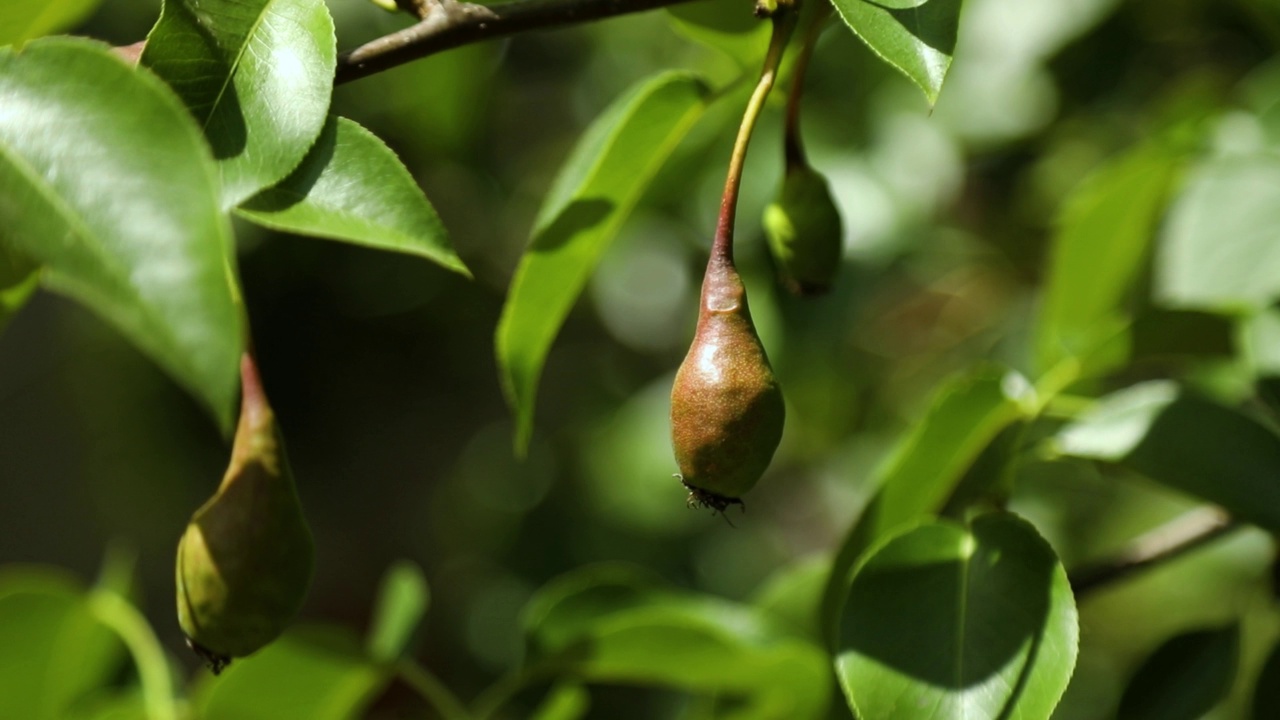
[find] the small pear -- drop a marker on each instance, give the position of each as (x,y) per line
(726,409)
(245,560)
(804,231)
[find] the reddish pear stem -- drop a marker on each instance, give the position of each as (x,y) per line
(793,147)
(722,246)
(254,408)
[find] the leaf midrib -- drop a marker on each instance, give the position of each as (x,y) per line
(235,65)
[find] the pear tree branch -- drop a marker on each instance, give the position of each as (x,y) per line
(1169,541)
(447,24)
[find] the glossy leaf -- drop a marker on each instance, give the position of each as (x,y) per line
(52,650)
(22,20)
(103,159)
(918,38)
(1184,677)
(608,624)
(1100,246)
(257,76)
(991,604)
(402,602)
(1188,443)
(1221,246)
(600,184)
(351,187)
(965,416)
(308,674)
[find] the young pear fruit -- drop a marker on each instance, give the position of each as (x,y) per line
(804,231)
(245,560)
(726,408)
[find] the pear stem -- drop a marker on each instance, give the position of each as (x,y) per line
(792,144)
(722,247)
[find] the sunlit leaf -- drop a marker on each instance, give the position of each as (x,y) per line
(948,622)
(918,38)
(352,187)
(1100,246)
(564,702)
(1184,677)
(22,20)
(110,187)
(600,184)
(1188,443)
(257,76)
(402,603)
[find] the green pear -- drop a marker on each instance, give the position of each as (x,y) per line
(726,408)
(804,231)
(245,560)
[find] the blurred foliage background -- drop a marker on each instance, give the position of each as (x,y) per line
(381,367)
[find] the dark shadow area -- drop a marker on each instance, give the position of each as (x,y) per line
(579,215)
(934,23)
(297,186)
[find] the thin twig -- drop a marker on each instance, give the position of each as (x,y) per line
(449,24)
(1161,545)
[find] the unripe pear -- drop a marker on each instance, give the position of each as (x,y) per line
(804,231)
(245,560)
(726,408)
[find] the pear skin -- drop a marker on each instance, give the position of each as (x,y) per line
(245,561)
(727,411)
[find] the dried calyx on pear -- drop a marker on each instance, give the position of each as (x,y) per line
(245,561)
(804,231)
(727,411)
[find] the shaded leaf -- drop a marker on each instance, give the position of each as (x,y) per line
(991,604)
(308,674)
(1266,693)
(600,184)
(1221,246)
(22,20)
(918,38)
(564,702)
(402,603)
(611,624)
(110,187)
(1104,230)
(729,26)
(1188,443)
(351,187)
(1184,677)
(257,76)
(18,281)
(966,414)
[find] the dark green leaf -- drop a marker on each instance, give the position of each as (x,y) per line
(793,595)
(22,20)
(402,603)
(965,416)
(1188,443)
(918,38)
(1104,230)
(951,622)
(1221,246)
(52,650)
(17,282)
(1185,677)
(729,26)
(564,702)
(352,187)
(610,624)
(1171,334)
(598,187)
(308,674)
(257,75)
(110,187)
(1266,693)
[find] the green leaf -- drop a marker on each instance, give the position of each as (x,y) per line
(611,624)
(600,184)
(1266,693)
(18,281)
(402,603)
(955,622)
(110,187)
(564,702)
(257,76)
(792,596)
(729,26)
(352,187)
(917,37)
(1100,246)
(1184,677)
(965,416)
(308,674)
(1188,443)
(22,20)
(52,650)
(1221,246)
